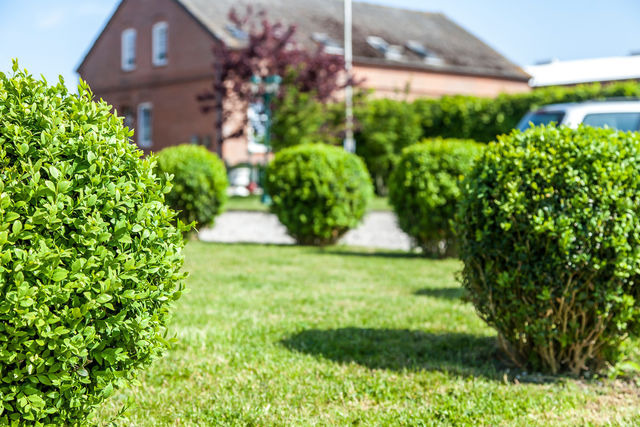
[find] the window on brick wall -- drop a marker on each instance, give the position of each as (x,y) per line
(128,49)
(159,35)
(145,123)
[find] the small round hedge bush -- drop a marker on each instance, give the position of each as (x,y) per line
(319,192)
(89,257)
(549,224)
(424,189)
(199,181)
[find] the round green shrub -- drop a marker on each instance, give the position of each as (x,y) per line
(200,182)
(549,223)
(319,192)
(424,189)
(89,257)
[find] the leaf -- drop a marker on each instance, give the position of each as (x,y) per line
(103,298)
(23,148)
(59,274)
(16,227)
(54,172)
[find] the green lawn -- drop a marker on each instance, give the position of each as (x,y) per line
(283,335)
(252,203)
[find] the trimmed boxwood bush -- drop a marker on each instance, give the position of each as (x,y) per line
(319,192)
(424,190)
(89,256)
(549,224)
(199,181)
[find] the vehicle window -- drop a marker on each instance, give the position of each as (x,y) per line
(620,121)
(540,118)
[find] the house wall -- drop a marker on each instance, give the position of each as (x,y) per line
(177,117)
(394,82)
(171,89)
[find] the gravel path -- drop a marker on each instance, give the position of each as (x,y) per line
(378,230)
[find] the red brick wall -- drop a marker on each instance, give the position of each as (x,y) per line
(172,89)
(176,113)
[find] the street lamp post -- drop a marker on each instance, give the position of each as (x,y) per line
(268,89)
(349,141)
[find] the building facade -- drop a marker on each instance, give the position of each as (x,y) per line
(154,57)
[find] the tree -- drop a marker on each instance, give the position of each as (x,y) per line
(269,48)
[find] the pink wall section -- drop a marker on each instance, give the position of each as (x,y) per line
(393,83)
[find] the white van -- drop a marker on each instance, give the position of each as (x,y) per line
(616,114)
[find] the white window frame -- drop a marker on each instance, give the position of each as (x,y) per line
(128,49)
(156,46)
(145,139)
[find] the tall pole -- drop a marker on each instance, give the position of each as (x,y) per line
(349,141)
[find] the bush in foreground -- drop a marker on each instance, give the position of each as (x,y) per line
(549,225)
(424,190)
(90,260)
(319,192)
(199,182)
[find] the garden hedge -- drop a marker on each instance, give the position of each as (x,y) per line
(483,119)
(424,190)
(386,126)
(199,182)
(319,192)
(90,259)
(549,225)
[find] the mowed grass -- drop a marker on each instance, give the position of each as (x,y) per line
(283,335)
(252,203)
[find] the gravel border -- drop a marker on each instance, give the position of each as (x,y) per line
(378,230)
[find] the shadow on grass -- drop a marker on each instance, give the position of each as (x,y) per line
(399,349)
(444,293)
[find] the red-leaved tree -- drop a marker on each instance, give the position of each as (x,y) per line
(269,48)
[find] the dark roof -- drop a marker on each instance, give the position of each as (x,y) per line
(458,50)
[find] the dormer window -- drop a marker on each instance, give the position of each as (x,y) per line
(378,43)
(128,49)
(427,56)
(237,33)
(159,43)
(390,52)
(329,45)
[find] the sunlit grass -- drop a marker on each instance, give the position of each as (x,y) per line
(283,335)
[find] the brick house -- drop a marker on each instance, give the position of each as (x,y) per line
(154,56)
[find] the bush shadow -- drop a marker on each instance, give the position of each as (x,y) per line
(453,293)
(403,349)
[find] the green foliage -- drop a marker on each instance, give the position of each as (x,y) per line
(319,192)
(385,128)
(550,236)
(199,182)
(424,189)
(483,119)
(90,260)
(298,119)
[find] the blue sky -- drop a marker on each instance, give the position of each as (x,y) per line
(51,37)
